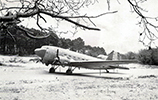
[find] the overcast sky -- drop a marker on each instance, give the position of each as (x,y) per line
(119,31)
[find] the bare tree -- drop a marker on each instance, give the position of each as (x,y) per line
(147,23)
(12,12)
(61,10)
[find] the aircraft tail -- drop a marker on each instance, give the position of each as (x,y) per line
(114,56)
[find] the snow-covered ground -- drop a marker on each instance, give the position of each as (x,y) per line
(22,79)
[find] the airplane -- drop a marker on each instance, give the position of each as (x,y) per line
(58,56)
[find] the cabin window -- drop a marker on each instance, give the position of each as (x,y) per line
(68,56)
(74,57)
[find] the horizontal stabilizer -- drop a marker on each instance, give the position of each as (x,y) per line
(118,67)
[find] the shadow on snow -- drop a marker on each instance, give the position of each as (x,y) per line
(88,74)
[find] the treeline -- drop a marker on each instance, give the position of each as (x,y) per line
(150,57)
(145,56)
(19,43)
(130,56)
(78,45)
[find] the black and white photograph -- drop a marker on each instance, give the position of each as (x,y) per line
(78,50)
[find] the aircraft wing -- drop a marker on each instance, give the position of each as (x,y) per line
(109,64)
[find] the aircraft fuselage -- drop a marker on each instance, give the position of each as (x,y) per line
(49,54)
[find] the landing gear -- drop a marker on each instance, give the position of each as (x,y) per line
(52,70)
(107,71)
(69,71)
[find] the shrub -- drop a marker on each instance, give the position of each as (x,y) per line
(149,56)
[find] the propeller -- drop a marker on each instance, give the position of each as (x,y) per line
(57,55)
(57,58)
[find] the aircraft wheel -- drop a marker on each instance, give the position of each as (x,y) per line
(107,71)
(69,71)
(52,70)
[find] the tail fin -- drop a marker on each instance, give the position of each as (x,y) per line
(114,56)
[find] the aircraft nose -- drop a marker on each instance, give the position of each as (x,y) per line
(40,52)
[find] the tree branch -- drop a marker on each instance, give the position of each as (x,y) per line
(67,18)
(30,34)
(54,8)
(145,23)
